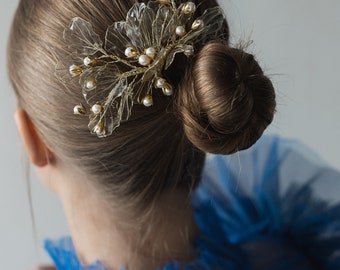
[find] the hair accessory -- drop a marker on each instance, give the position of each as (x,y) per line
(126,68)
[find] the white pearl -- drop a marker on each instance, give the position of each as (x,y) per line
(151,52)
(160,83)
(197,24)
(75,70)
(167,90)
(97,108)
(99,129)
(87,61)
(189,8)
(180,31)
(79,110)
(90,84)
(130,52)
(144,60)
(148,101)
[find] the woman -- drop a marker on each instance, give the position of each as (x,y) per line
(162,87)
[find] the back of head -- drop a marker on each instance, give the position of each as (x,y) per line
(222,103)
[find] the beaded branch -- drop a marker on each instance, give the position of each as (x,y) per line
(126,68)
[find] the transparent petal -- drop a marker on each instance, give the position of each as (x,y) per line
(132,26)
(141,89)
(164,26)
(117,40)
(150,74)
(62,69)
(81,38)
(107,122)
(125,105)
(113,111)
(171,56)
(105,77)
(145,27)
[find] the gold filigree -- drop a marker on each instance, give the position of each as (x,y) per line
(126,68)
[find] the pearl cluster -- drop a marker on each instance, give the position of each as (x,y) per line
(153,58)
(165,86)
(143,59)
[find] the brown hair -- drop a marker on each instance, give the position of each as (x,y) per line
(222,103)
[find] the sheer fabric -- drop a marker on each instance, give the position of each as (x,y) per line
(274,206)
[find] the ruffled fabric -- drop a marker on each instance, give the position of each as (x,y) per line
(274,206)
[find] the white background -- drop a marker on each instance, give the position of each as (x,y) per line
(297,42)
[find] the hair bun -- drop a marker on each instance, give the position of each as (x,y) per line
(227,102)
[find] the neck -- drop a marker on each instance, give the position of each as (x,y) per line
(101,233)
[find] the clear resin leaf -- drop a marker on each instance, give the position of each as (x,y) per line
(62,69)
(81,38)
(171,56)
(103,124)
(132,26)
(145,27)
(105,78)
(135,54)
(116,39)
(163,27)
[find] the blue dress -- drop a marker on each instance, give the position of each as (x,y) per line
(275,206)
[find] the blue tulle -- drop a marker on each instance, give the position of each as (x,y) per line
(275,206)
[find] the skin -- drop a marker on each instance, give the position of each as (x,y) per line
(101,232)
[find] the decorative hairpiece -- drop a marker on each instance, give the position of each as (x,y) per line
(127,67)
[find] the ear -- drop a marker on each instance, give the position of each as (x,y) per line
(37,151)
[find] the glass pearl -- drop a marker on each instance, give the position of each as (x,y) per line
(197,24)
(189,8)
(167,90)
(79,110)
(97,108)
(148,101)
(99,129)
(180,31)
(75,70)
(160,83)
(130,52)
(144,60)
(90,84)
(88,61)
(151,52)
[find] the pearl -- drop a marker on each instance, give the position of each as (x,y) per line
(167,90)
(88,61)
(75,70)
(99,129)
(151,52)
(131,52)
(144,60)
(90,84)
(97,108)
(148,101)
(189,8)
(160,83)
(197,24)
(180,31)
(189,50)
(79,110)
